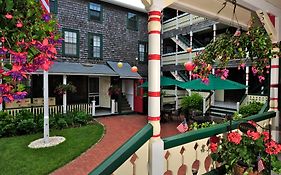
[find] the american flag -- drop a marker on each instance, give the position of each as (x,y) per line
(260,165)
(45,5)
(183,127)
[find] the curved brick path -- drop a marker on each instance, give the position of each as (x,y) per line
(118,130)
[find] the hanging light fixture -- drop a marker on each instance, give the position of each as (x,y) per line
(134,69)
(119,64)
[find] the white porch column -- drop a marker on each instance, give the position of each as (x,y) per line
(93,108)
(176,72)
(46,106)
(247,80)
(112,106)
(156,157)
(214,31)
(64,94)
(273,103)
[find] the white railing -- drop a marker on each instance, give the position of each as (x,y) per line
(254,98)
(36,110)
(182,57)
(183,20)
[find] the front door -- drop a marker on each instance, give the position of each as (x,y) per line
(138,96)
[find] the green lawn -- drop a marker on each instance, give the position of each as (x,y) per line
(17,158)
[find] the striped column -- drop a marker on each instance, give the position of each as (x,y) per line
(154,29)
(274,83)
(247,79)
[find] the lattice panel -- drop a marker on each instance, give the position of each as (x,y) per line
(136,164)
(257,98)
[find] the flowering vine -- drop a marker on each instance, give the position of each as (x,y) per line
(253,45)
(28,41)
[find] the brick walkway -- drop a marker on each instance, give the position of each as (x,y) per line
(118,130)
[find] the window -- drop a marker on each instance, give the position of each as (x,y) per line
(70,44)
(54,6)
(142,51)
(95,11)
(132,21)
(95,46)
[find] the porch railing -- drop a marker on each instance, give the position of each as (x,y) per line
(186,153)
(55,109)
(130,158)
(254,98)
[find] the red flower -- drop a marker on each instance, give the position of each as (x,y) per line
(266,135)
(2,39)
(272,147)
(8,16)
(19,24)
(253,135)
(234,137)
(214,139)
(213,147)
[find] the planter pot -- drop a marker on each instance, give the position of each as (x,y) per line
(239,170)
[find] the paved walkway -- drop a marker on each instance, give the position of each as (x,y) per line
(118,130)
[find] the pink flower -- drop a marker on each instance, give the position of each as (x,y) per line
(253,135)
(267,66)
(205,80)
(261,78)
(253,123)
(237,33)
(19,24)
(272,148)
(234,137)
(266,135)
(2,39)
(8,16)
(243,65)
(254,70)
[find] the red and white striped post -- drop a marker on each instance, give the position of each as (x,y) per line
(156,156)
(274,84)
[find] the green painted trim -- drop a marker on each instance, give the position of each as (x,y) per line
(77,44)
(190,136)
(90,36)
(116,159)
(101,13)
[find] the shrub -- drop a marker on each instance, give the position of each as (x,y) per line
(193,102)
(61,123)
(26,126)
(81,117)
(250,109)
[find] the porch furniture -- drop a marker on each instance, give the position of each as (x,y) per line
(166,112)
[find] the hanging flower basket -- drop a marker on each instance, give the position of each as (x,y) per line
(63,88)
(252,46)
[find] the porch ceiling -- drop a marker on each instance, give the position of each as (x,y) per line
(217,10)
(64,68)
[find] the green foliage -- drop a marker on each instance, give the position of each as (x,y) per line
(193,102)
(63,88)
(195,125)
(26,123)
(250,109)
(237,116)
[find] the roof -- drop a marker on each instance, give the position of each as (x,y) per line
(125,71)
(61,68)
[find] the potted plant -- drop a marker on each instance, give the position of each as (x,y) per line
(63,88)
(114,91)
(249,153)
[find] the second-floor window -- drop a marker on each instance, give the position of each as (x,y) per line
(95,46)
(142,51)
(95,11)
(70,44)
(132,21)
(53,6)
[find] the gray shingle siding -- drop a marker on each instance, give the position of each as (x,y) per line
(119,43)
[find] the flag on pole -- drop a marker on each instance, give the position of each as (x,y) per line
(260,165)
(183,127)
(45,5)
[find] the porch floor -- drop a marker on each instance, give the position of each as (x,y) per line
(118,129)
(226,104)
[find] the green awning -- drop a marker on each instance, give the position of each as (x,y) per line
(165,81)
(215,83)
